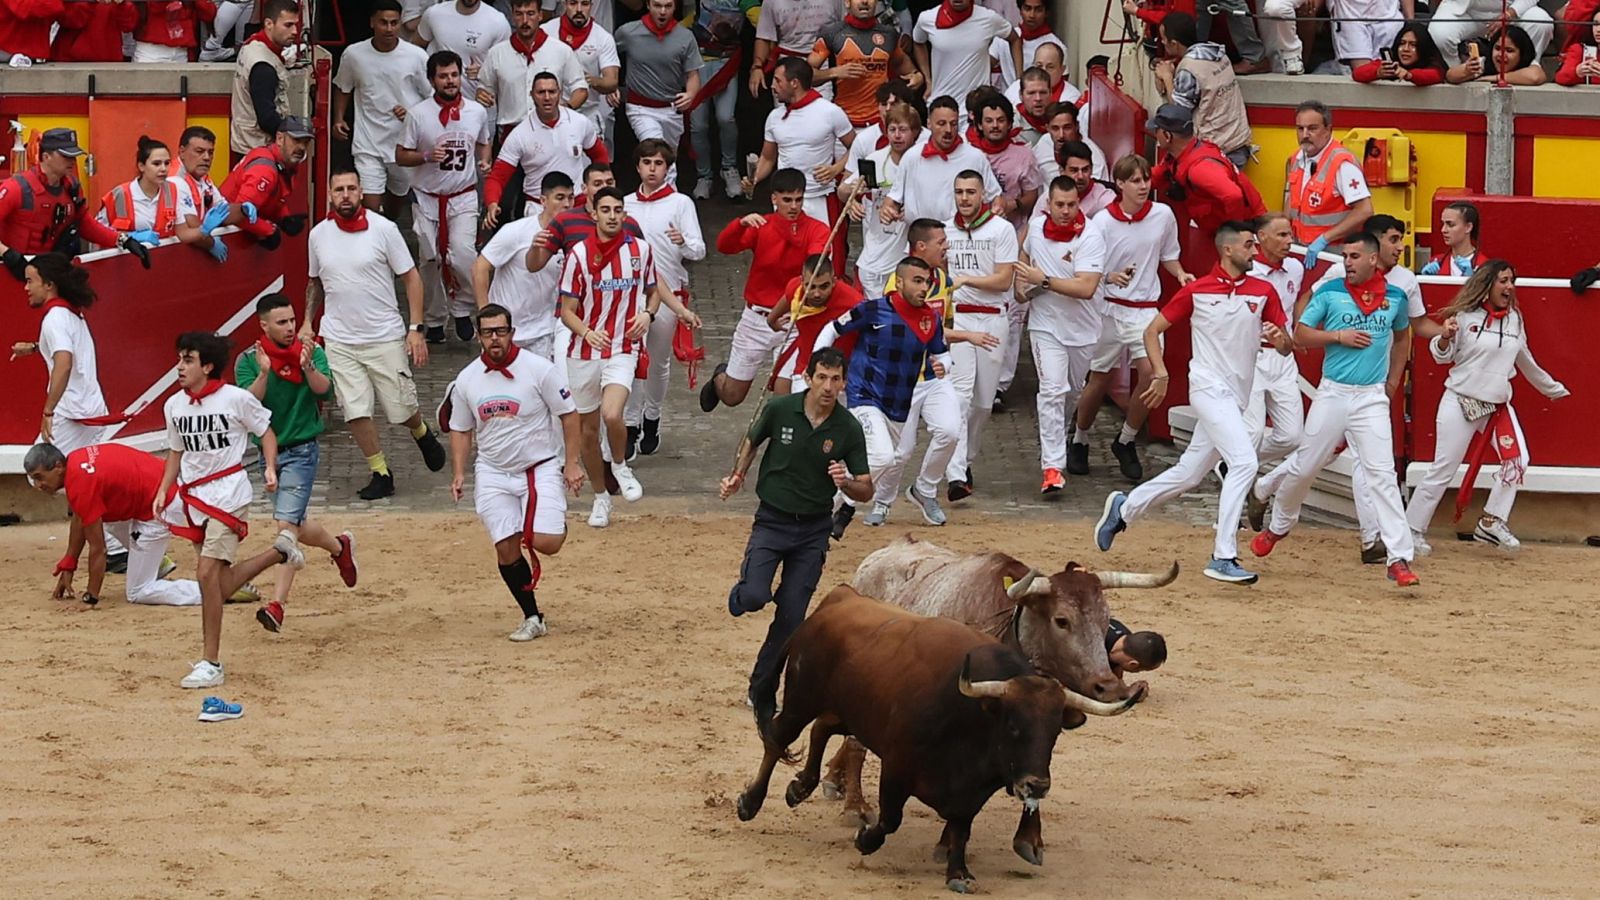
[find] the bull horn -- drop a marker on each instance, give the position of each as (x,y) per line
(1138,579)
(1019,588)
(981,690)
(1090,707)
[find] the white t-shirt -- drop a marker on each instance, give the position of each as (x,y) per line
(926,189)
(380,82)
(423,132)
(1072,321)
(978,253)
(470,36)
(213,435)
(61,330)
(509,75)
(675,210)
(1399,276)
(809,137)
(959,56)
(358,269)
(1044,153)
(1000,52)
(529,296)
(515,421)
(595,54)
(1145,245)
(541,149)
(1286,278)
(882,246)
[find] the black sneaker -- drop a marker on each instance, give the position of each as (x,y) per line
(632,442)
(1077,459)
(971,482)
(379,487)
(957,490)
(117,563)
(650,437)
(436,334)
(1255,510)
(841,520)
(464,328)
(708,391)
(1128,458)
(1376,554)
(610,480)
(999,403)
(432,451)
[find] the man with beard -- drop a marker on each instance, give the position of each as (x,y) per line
(1061,126)
(805,133)
(265,179)
(1010,159)
(509,67)
(923,191)
(597,55)
(550,138)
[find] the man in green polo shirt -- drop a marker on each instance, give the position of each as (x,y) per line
(292,381)
(815,449)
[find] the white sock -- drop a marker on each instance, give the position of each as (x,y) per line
(1081,436)
(1129,435)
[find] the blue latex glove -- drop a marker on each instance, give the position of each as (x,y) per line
(1432,268)
(218,250)
(250,213)
(146,236)
(1315,250)
(214,217)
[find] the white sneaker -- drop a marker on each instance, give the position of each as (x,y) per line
(1494,531)
(212,52)
(632,490)
(1292,65)
(600,517)
(1420,544)
(702,189)
(290,548)
(203,675)
(731,184)
(532,627)
(878,515)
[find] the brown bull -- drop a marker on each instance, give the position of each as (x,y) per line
(954,714)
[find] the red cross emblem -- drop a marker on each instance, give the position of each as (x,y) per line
(1354,184)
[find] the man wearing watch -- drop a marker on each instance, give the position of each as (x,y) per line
(355,255)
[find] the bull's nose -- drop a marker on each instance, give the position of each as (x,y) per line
(1034,788)
(1108,688)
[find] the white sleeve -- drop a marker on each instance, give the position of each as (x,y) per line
(919,31)
(462,415)
(1005,249)
(1352,184)
(1169,237)
(502,247)
(425,25)
(1001,29)
(767,134)
(409,138)
(395,248)
(694,243)
(826,336)
(313,265)
(553,388)
(252,415)
(345,78)
(991,184)
(52,336)
(571,75)
(608,55)
(841,124)
(174,439)
(1538,377)
(897,191)
(511,150)
(489,73)
(1091,253)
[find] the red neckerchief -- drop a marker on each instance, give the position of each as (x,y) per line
(539,37)
(1064,233)
(211,386)
(1369,296)
(920,319)
(662,191)
(504,368)
(883,140)
(604,252)
(660,31)
(803,102)
(1120,215)
(949,18)
(930,149)
(574,37)
(1037,123)
(357,222)
(969,227)
(285,360)
(1055,92)
(534,113)
(58,303)
(1494,315)
(260,37)
(448,111)
(1029,32)
(1276,267)
(990,148)
(866,24)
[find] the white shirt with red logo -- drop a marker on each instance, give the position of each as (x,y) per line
(1073,321)
(608,299)
(514,420)
(423,132)
(541,148)
(1226,315)
(1286,278)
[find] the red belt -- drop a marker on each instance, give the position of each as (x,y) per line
(527,520)
(441,240)
(195,533)
(109,419)
(638,99)
(977,308)
(1135,304)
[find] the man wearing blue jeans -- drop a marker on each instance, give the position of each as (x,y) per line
(718,27)
(292,381)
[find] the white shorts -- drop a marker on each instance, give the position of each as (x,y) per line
(589,378)
(501,499)
(755,346)
(1119,333)
(373,374)
(380,177)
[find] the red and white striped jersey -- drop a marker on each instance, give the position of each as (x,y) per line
(610,292)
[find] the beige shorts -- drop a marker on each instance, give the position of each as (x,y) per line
(220,541)
(366,375)
(589,378)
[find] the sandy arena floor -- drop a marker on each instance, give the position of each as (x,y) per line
(1321,734)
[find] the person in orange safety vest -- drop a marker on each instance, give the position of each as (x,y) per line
(1325,193)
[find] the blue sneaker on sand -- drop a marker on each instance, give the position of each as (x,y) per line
(1230,571)
(216,709)
(1110,524)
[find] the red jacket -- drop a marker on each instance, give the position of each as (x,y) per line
(1209,185)
(262,178)
(25,26)
(92,32)
(28,213)
(1421,76)
(172,24)
(1578,11)
(1567,75)
(780,248)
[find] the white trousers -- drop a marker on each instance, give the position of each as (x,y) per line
(1276,392)
(1219,433)
(1278,30)
(1452,437)
(159,53)
(935,406)
(883,441)
(873,284)
(662,122)
(147,545)
(1449,35)
(975,375)
(1018,321)
(462,213)
(1062,373)
(644,401)
(1358,414)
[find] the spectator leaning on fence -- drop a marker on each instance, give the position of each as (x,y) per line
(1580,63)
(1413,59)
(1202,79)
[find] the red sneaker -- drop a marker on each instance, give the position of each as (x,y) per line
(1401,574)
(1264,541)
(345,559)
(1053,481)
(270,615)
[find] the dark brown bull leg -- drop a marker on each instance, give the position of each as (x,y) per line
(785,728)
(956,876)
(805,781)
(1029,840)
(833,780)
(941,850)
(856,808)
(892,796)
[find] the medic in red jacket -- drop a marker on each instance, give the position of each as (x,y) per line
(1197,175)
(265,178)
(44,209)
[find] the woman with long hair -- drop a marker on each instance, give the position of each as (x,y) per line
(1509,50)
(73,402)
(1413,58)
(147,206)
(1485,343)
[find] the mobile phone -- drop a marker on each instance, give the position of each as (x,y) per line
(1473,50)
(868,170)
(1386,54)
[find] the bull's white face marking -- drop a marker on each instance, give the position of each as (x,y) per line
(1030,805)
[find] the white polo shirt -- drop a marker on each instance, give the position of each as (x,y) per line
(423,132)
(530,297)
(1072,321)
(807,137)
(978,253)
(1286,278)
(62,329)
(358,269)
(674,210)
(508,75)
(540,148)
(379,82)
(597,53)
(926,188)
(515,421)
(959,56)
(1225,317)
(1145,245)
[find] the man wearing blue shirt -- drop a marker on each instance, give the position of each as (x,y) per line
(1362,322)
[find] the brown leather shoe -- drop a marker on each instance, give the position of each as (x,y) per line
(1260,67)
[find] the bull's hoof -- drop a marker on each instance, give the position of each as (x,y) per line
(1033,853)
(747,806)
(962,885)
(832,791)
(869,839)
(858,815)
(797,793)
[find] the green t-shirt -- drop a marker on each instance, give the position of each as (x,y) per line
(794,471)
(296,409)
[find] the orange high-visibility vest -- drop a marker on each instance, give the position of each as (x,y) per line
(1314,205)
(118,204)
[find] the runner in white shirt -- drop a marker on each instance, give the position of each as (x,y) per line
(550,138)
(386,76)
(810,134)
(446,139)
(354,257)
(882,245)
(1063,257)
(1034,32)
(580,29)
(923,191)
(1141,236)
(468,28)
(1277,386)
(73,404)
(982,260)
(500,274)
(951,46)
(208,428)
(607,301)
(672,226)
(508,69)
(509,401)
(1062,125)
(1093,196)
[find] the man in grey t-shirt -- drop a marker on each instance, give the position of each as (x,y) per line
(663,74)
